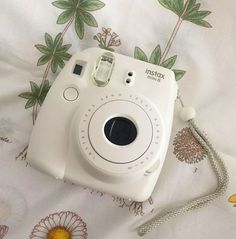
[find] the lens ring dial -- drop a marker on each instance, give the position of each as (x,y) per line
(114,159)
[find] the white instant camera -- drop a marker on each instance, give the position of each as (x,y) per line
(106,124)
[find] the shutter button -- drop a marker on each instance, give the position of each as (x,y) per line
(70,93)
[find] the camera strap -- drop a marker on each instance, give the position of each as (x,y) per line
(217,164)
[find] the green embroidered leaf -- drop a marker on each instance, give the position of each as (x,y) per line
(192,14)
(188,11)
(56,54)
(26,95)
(192,9)
(63,4)
(31,102)
(65,16)
(46,86)
(78,10)
(48,40)
(180,6)
(41,99)
(176,6)
(64,56)
(64,48)
(60,62)
(34,88)
(202,23)
(58,40)
(31,98)
(42,48)
(54,66)
(44,92)
(88,19)
(36,95)
(155,56)
(43,60)
(91,5)
(197,15)
(79,27)
(70,7)
(169,62)
(139,54)
(178,74)
(190,3)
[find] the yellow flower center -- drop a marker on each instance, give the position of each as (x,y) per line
(232,198)
(58,233)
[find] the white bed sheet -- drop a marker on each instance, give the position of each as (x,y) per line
(208,55)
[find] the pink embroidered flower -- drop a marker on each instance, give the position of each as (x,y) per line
(136,207)
(187,148)
(107,39)
(106,31)
(62,225)
(3,231)
(114,35)
(99,35)
(116,43)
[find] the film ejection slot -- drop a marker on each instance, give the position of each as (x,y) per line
(103,69)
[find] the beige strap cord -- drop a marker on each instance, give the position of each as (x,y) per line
(219,169)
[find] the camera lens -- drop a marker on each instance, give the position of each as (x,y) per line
(120,131)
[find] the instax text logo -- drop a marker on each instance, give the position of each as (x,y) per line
(154,75)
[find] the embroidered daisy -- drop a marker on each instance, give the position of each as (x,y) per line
(187,148)
(62,225)
(3,231)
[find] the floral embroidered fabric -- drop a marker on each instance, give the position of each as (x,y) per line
(188,36)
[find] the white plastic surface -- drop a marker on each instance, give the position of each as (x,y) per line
(68,140)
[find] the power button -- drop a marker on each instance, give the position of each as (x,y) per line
(71,93)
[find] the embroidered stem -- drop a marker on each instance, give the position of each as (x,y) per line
(33,113)
(35,110)
(173,34)
(22,155)
(171,39)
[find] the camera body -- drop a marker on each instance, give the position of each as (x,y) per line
(106,124)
